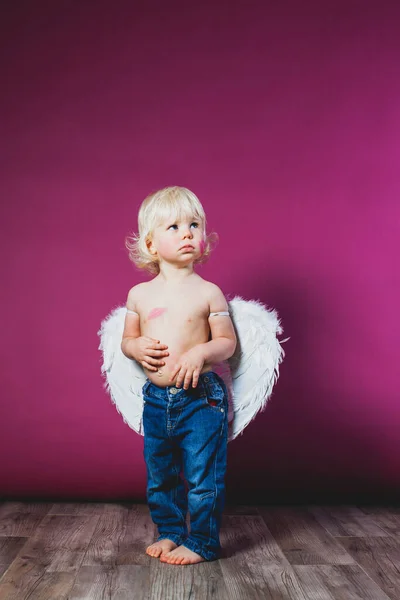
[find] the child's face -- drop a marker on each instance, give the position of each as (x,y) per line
(170,237)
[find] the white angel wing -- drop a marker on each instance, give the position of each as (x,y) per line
(249,374)
(125,378)
(254,367)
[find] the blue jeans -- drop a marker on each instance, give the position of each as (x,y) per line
(187,429)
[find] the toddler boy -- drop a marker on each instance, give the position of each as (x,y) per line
(177,326)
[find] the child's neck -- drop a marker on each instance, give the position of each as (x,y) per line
(171,275)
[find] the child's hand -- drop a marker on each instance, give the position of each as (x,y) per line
(146,349)
(188,366)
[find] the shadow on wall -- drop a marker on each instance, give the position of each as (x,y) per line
(308,444)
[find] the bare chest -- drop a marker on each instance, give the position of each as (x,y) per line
(172,309)
(178,317)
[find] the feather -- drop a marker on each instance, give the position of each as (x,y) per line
(249,375)
(124,377)
(254,367)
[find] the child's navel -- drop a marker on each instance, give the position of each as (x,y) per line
(156,312)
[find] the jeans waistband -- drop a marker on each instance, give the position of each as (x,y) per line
(205,379)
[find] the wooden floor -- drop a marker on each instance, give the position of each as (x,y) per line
(96,550)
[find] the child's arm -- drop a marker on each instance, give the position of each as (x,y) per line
(147,351)
(131,326)
(223,338)
(219,348)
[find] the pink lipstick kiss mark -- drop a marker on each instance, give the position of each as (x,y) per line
(156,312)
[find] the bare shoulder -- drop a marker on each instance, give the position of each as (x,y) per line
(215,297)
(211,288)
(135,294)
(221,325)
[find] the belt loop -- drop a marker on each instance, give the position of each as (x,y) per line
(204,379)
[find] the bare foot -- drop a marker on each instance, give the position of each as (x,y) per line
(161,547)
(181,556)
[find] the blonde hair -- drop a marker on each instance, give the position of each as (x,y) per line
(170,202)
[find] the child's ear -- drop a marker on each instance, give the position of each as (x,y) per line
(150,248)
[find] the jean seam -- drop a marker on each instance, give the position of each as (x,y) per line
(207,495)
(171,429)
(215,478)
(195,547)
(175,497)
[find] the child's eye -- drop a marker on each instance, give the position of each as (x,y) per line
(175,225)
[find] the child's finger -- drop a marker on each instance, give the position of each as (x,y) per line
(196,376)
(148,367)
(188,379)
(181,377)
(174,372)
(156,344)
(153,361)
(152,352)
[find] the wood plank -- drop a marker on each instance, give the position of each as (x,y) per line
(337,582)
(59,543)
(202,581)
(9,548)
(82,509)
(380,559)
(346,520)
(240,510)
(120,582)
(121,537)
(19,519)
(302,539)
(254,566)
(25,579)
(387,517)
(50,559)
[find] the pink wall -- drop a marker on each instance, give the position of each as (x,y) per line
(286,123)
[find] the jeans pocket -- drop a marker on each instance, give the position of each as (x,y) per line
(215,396)
(145,387)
